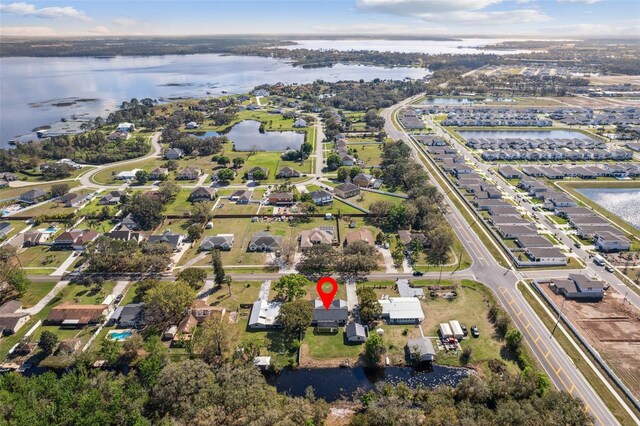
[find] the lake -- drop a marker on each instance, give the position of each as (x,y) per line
(523,134)
(333,383)
(433,47)
(622,202)
(40,91)
(246,134)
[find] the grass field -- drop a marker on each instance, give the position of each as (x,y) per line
(42,256)
(10,192)
(35,292)
(369,153)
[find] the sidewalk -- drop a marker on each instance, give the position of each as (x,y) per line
(65,265)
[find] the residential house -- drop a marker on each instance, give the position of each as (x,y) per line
(241,196)
(188,173)
(346,190)
(32,196)
(127,174)
(73,199)
(288,172)
(31,239)
(197,314)
(129,223)
(125,235)
(264,314)
(175,241)
(263,241)
(421,349)
(217,242)
(401,310)
(328,320)
(174,154)
(510,232)
(363,180)
(202,193)
(74,240)
(407,238)
(315,236)
(11,320)
(348,160)
(9,177)
(280,198)
(550,256)
(610,241)
(72,315)
(158,173)
(579,287)
(129,316)
(191,125)
(5,228)
(253,170)
(112,198)
(510,172)
(300,123)
(356,333)
(533,241)
(321,197)
(126,127)
(362,234)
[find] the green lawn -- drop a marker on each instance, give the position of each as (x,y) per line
(369,153)
(15,192)
(35,292)
(330,346)
(42,256)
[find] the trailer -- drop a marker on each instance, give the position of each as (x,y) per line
(445,331)
(456,329)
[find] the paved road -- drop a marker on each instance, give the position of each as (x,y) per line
(502,282)
(547,224)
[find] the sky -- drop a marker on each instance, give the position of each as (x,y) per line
(490,18)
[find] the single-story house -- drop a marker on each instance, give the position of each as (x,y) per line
(263,241)
(280,198)
(188,173)
(321,197)
(191,125)
(73,199)
(348,160)
(167,237)
(609,241)
(253,170)
(217,242)
(533,241)
(126,127)
(202,193)
(127,174)
(119,136)
(32,196)
(112,198)
(288,172)
(328,320)
(264,314)
(356,333)
(421,349)
(69,314)
(174,154)
(315,236)
(10,319)
(75,239)
(158,173)
(407,238)
(362,234)
(125,235)
(5,228)
(363,180)
(346,190)
(30,239)
(300,123)
(241,196)
(401,310)
(579,287)
(546,256)
(129,316)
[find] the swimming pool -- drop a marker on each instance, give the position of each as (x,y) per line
(119,335)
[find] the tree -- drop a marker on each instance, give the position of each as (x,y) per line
(354,171)
(146,210)
(142,177)
(218,269)
(374,348)
(149,368)
(513,339)
(167,192)
(237,162)
(343,173)
(195,277)
(440,240)
(194,232)
(259,175)
(213,340)
(358,259)
(370,308)
(318,261)
(172,165)
(295,316)
(48,342)
(225,175)
(56,171)
(291,287)
(201,213)
(333,161)
(223,160)
(59,189)
(166,303)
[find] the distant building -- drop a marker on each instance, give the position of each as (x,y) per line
(71,315)
(321,197)
(346,190)
(251,171)
(288,172)
(579,287)
(32,196)
(112,198)
(402,310)
(362,234)
(328,320)
(174,154)
(188,173)
(175,241)
(263,241)
(421,349)
(202,193)
(280,198)
(218,242)
(126,127)
(74,240)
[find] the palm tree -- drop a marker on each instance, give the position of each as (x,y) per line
(227,280)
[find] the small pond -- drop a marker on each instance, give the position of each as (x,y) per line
(333,383)
(622,202)
(209,134)
(246,134)
(523,134)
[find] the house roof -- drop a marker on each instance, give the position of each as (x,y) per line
(202,191)
(320,193)
(33,194)
(264,313)
(76,236)
(398,308)
(217,241)
(10,321)
(124,235)
(347,187)
(322,235)
(10,307)
(265,239)
(338,311)
(583,282)
(353,329)
(422,346)
(167,237)
(131,312)
(362,234)
(256,168)
(281,196)
(539,252)
(82,313)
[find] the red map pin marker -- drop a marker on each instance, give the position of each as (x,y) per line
(327,298)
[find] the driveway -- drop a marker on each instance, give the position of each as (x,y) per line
(65,265)
(46,299)
(388,260)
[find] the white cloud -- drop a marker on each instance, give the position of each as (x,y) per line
(26,9)
(27,31)
(126,22)
(579,1)
(465,11)
(99,29)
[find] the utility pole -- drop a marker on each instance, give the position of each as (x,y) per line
(559,314)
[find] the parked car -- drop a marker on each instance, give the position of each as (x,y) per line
(418,273)
(609,268)
(464,329)
(578,245)
(475,332)
(119,298)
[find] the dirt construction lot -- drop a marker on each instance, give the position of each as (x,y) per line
(612,327)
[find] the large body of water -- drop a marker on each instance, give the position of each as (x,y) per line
(333,383)
(31,87)
(433,47)
(523,134)
(622,202)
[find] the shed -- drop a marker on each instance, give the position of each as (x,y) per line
(356,333)
(445,330)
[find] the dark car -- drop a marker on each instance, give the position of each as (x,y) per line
(464,329)
(418,273)
(475,332)
(119,298)
(578,245)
